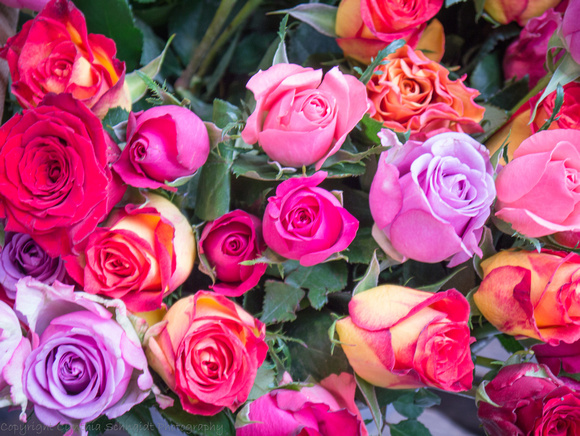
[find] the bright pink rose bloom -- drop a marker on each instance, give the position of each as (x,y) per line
(146,252)
(527,55)
(164,144)
(538,192)
(14,349)
(571,29)
(35,5)
(208,351)
(325,409)
(307,223)
(565,357)
(233,238)
(430,200)
(86,362)
(54,53)
(55,181)
(301,118)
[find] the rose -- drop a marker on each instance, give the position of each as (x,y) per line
(327,408)
(401,338)
(506,11)
(532,294)
(431,200)
(226,242)
(22,257)
(307,223)
(537,191)
(164,144)
(299,119)
(571,29)
(364,27)
(145,253)
(13,352)
(35,5)
(86,361)
(415,93)
(208,350)
(55,183)
(53,53)
(562,356)
(527,54)
(526,399)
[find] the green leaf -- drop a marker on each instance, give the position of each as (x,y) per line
(410,427)
(100,425)
(213,190)
(259,167)
(264,382)
(479,9)
(558,102)
(412,404)
(198,424)
(281,57)
(370,128)
(138,422)
(281,302)
(487,76)
(509,343)
(225,113)
(381,55)
(371,278)
(362,248)
(370,397)
(438,285)
(114,117)
(320,280)
(318,15)
(114,19)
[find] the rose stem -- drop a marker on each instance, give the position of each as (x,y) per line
(486,362)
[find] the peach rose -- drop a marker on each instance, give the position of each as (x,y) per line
(415,93)
(532,294)
(401,338)
(208,350)
(506,11)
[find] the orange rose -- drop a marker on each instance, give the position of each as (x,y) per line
(532,294)
(415,93)
(401,338)
(54,53)
(506,11)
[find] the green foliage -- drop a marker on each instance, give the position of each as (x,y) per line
(370,396)
(379,60)
(138,422)
(509,343)
(281,302)
(320,16)
(320,280)
(410,427)
(412,404)
(213,190)
(198,425)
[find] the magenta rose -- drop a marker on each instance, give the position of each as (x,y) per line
(307,223)
(527,55)
(538,191)
(55,181)
(561,357)
(164,144)
(325,409)
(35,5)
(571,29)
(87,359)
(226,242)
(301,118)
(430,200)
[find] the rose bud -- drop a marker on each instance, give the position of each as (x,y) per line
(307,223)
(208,350)
(301,118)
(54,53)
(331,404)
(164,144)
(506,11)
(226,242)
(532,294)
(402,338)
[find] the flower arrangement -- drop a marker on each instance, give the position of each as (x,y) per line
(283,218)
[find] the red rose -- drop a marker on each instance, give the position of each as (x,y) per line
(55,183)
(54,53)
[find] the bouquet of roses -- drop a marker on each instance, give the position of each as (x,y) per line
(282,218)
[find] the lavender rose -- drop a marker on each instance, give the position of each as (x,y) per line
(22,257)
(430,200)
(86,363)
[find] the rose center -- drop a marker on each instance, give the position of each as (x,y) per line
(73,373)
(30,256)
(300,218)
(139,150)
(572,180)
(316,107)
(235,244)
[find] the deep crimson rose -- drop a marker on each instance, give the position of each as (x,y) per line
(226,242)
(55,182)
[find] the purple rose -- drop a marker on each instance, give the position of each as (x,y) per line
(22,257)
(527,54)
(13,351)
(430,200)
(87,362)
(571,29)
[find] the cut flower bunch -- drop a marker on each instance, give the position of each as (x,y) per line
(279,218)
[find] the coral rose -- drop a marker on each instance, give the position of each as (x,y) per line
(208,350)
(300,117)
(415,93)
(401,338)
(145,253)
(532,294)
(54,53)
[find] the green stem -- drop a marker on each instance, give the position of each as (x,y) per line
(200,52)
(542,83)
(485,362)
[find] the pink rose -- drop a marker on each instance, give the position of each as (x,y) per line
(527,55)
(431,200)
(35,5)
(226,242)
(325,409)
(164,144)
(300,118)
(538,192)
(571,29)
(565,357)
(307,223)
